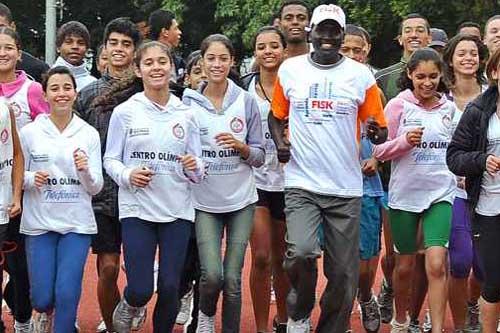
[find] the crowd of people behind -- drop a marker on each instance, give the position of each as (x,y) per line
(310,156)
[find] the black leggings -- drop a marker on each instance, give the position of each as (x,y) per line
(17,290)
(486,233)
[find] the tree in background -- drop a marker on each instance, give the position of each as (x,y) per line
(240,19)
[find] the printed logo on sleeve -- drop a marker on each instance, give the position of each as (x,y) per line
(412,122)
(178,131)
(237,125)
(203,130)
(138,131)
(39,158)
(4,136)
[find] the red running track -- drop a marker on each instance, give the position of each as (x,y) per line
(89,316)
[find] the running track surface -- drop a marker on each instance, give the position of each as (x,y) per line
(89,316)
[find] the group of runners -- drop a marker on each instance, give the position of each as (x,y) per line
(310,156)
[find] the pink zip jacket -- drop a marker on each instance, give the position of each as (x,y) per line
(395,146)
(36,101)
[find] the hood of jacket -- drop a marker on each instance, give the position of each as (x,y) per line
(196,96)
(408,96)
(44,122)
(140,100)
(10,88)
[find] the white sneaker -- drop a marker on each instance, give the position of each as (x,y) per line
(101,328)
(206,324)
(400,327)
(427,324)
(185,310)
(42,323)
(123,316)
(140,319)
(299,326)
(22,327)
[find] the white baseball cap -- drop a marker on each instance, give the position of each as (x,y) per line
(328,12)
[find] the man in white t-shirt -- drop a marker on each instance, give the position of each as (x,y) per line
(323,96)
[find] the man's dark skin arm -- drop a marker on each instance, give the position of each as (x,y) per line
(277,128)
(375,133)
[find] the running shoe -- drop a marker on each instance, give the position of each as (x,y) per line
(22,327)
(414,326)
(206,324)
(298,326)
(385,301)
(472,324)
(42,323)
(101,328)
(185,310)
(139,320)
(427,325)
(370,315)
(400,327)
(123,316)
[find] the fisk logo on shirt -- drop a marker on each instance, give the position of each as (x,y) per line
(321,104)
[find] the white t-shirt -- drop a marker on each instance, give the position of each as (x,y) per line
(489,197)
(63,204)
(324,105)
(270,176)
(6,162)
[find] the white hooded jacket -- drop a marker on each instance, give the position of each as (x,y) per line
(63,204)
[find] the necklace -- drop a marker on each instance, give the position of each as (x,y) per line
(263,91)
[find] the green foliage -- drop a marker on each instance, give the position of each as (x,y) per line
(240,19)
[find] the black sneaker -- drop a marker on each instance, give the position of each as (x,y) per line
(370,315)
(385,301)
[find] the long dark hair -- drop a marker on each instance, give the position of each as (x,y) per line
(449,73)
(421,55)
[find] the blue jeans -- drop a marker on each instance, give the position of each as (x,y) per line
(55,266)
(216,274)
(140,240)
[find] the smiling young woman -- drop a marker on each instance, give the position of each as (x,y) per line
(63,172)
(231,138)
(153,167)
(25,98)
(464,61)
(420,128)
(268,235)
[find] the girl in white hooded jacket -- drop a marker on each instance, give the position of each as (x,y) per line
(63,172)
(153,153)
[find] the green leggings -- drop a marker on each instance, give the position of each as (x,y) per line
(436,226)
